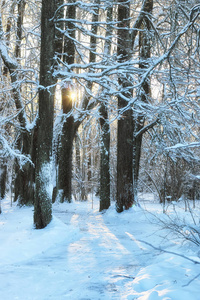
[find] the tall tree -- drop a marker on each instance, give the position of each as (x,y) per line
(15,73)
(23,183)
(43,197)
(67,134)
(144,90)
(69,125)
(104,122)
(125,196)
(131,121)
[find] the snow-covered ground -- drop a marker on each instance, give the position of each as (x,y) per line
(87,255)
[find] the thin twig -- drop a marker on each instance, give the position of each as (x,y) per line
(191,280)
(170,252)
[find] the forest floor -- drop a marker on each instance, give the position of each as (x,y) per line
(86,255)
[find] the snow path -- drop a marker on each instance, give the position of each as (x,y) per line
(105,259)
(102,259)
(80,256)
(86,255)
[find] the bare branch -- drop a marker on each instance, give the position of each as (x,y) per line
(169,252)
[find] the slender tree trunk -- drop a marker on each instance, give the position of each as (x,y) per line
(60,26)
(144,93)
(83,168)
(77,192)
(69,126)
(3,177)
(67,135)
(43,197)
(21,176)
(105,129)
(8,32)
(105,159)
(89,166)
(66,150)
(23,186)
(125,196)
(21,7)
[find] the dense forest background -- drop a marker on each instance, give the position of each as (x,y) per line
(99,97)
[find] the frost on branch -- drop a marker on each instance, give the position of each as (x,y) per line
(6,151)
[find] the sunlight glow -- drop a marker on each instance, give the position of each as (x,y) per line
(73,96)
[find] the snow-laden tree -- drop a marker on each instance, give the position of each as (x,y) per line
(135,78)
(43,196)
(175,86)
(76,57)
(133,66)
(19,79)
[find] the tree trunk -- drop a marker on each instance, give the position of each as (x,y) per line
(144,93)
(69,126)
(43,197)
(3,177)
(125,195)
(105,159)
(21,7)
(59,29)
(24,188)
(66,150)
(67,135)
(77,191)
(105,129)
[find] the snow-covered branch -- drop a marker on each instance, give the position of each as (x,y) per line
(8,151)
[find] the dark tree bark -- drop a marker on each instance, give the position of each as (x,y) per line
(24,181)
(43,199)
(69,126)
(60,26)
(92,59)
(8,32)
(125,195)
(105,159)
(78,172)
(66,149)
(67,135)
(105,129)
(144,92)
(24,187)
(21,7)
(129,124)
(3,176)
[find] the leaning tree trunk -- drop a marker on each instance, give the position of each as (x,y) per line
(43,197)
(125,196)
